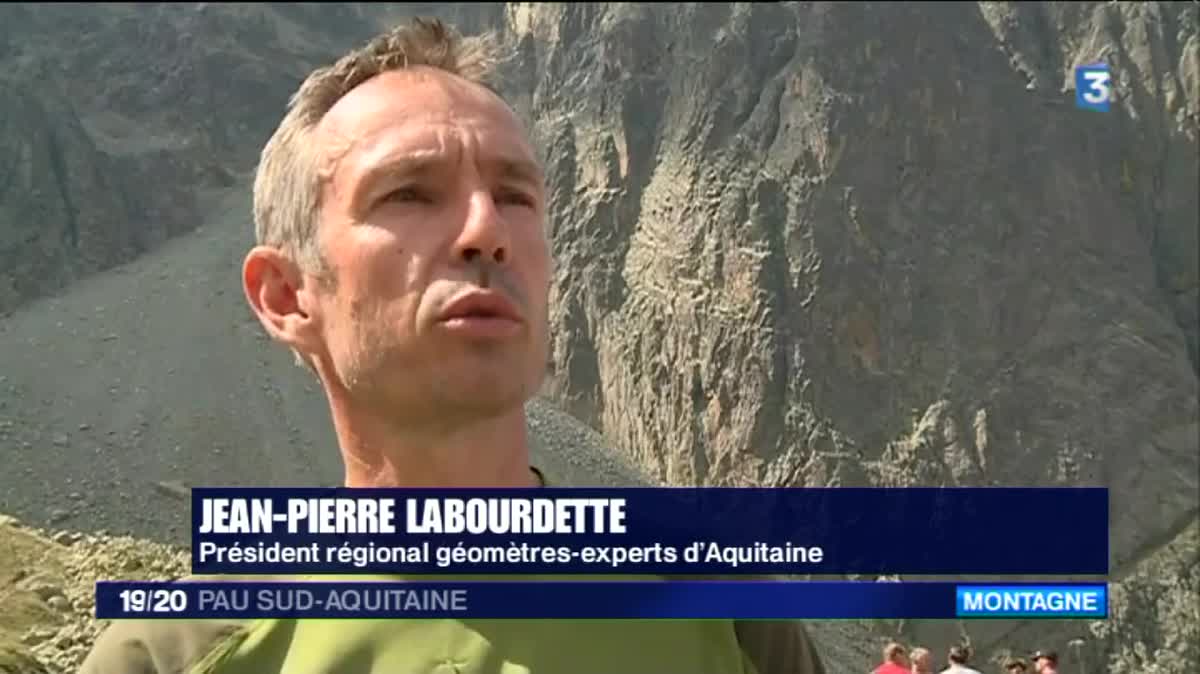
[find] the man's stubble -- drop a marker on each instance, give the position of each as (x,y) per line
(450,379)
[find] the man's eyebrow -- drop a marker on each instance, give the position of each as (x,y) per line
(518,168)
(514,168)
(402,165)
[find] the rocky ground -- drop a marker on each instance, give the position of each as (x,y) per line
(47,588)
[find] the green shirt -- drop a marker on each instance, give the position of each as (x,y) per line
(452,647)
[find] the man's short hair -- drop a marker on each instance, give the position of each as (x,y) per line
(287,187)
(959,655)
(892,650)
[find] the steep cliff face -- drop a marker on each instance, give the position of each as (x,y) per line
(47,159)
(848,243)
(853,243)
(112,116)
(142,105)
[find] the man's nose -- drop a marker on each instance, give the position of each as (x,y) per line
(484,234)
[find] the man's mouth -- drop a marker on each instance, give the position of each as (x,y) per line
(477,313)
(481,313)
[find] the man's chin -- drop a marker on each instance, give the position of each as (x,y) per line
(482,388)
(469,404)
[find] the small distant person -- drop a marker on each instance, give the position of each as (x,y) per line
(895,660)
(922,661)
(1045,662)
(1016,666)
(957,659)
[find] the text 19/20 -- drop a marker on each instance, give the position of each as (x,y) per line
(153,601)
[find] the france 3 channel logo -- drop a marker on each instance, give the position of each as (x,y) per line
(1093,87)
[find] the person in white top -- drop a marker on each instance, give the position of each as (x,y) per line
(958,657)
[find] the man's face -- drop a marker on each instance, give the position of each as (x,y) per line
(922,662)
(1042,665)
(432,229)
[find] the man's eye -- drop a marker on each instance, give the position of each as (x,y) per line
(516,198)
(407,194)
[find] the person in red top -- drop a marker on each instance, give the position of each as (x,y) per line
(895,660)
(1045,662)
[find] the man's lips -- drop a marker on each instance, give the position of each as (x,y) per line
(480,306)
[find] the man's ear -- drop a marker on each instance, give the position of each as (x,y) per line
(278,293)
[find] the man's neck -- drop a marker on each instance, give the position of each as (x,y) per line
(486,452)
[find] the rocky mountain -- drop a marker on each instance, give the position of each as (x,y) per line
(798,244)
(116,114)
(847,243)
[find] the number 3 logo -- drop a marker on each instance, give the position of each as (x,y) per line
(1097,88)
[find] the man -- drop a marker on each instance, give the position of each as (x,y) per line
(1016,666)
(1045,662)
(895,660)
(922,661)
(957,661)
(400,216)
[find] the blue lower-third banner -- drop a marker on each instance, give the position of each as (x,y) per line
(964,532)
(609,599)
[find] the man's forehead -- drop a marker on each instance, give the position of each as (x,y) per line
(404,110)
(431,139)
